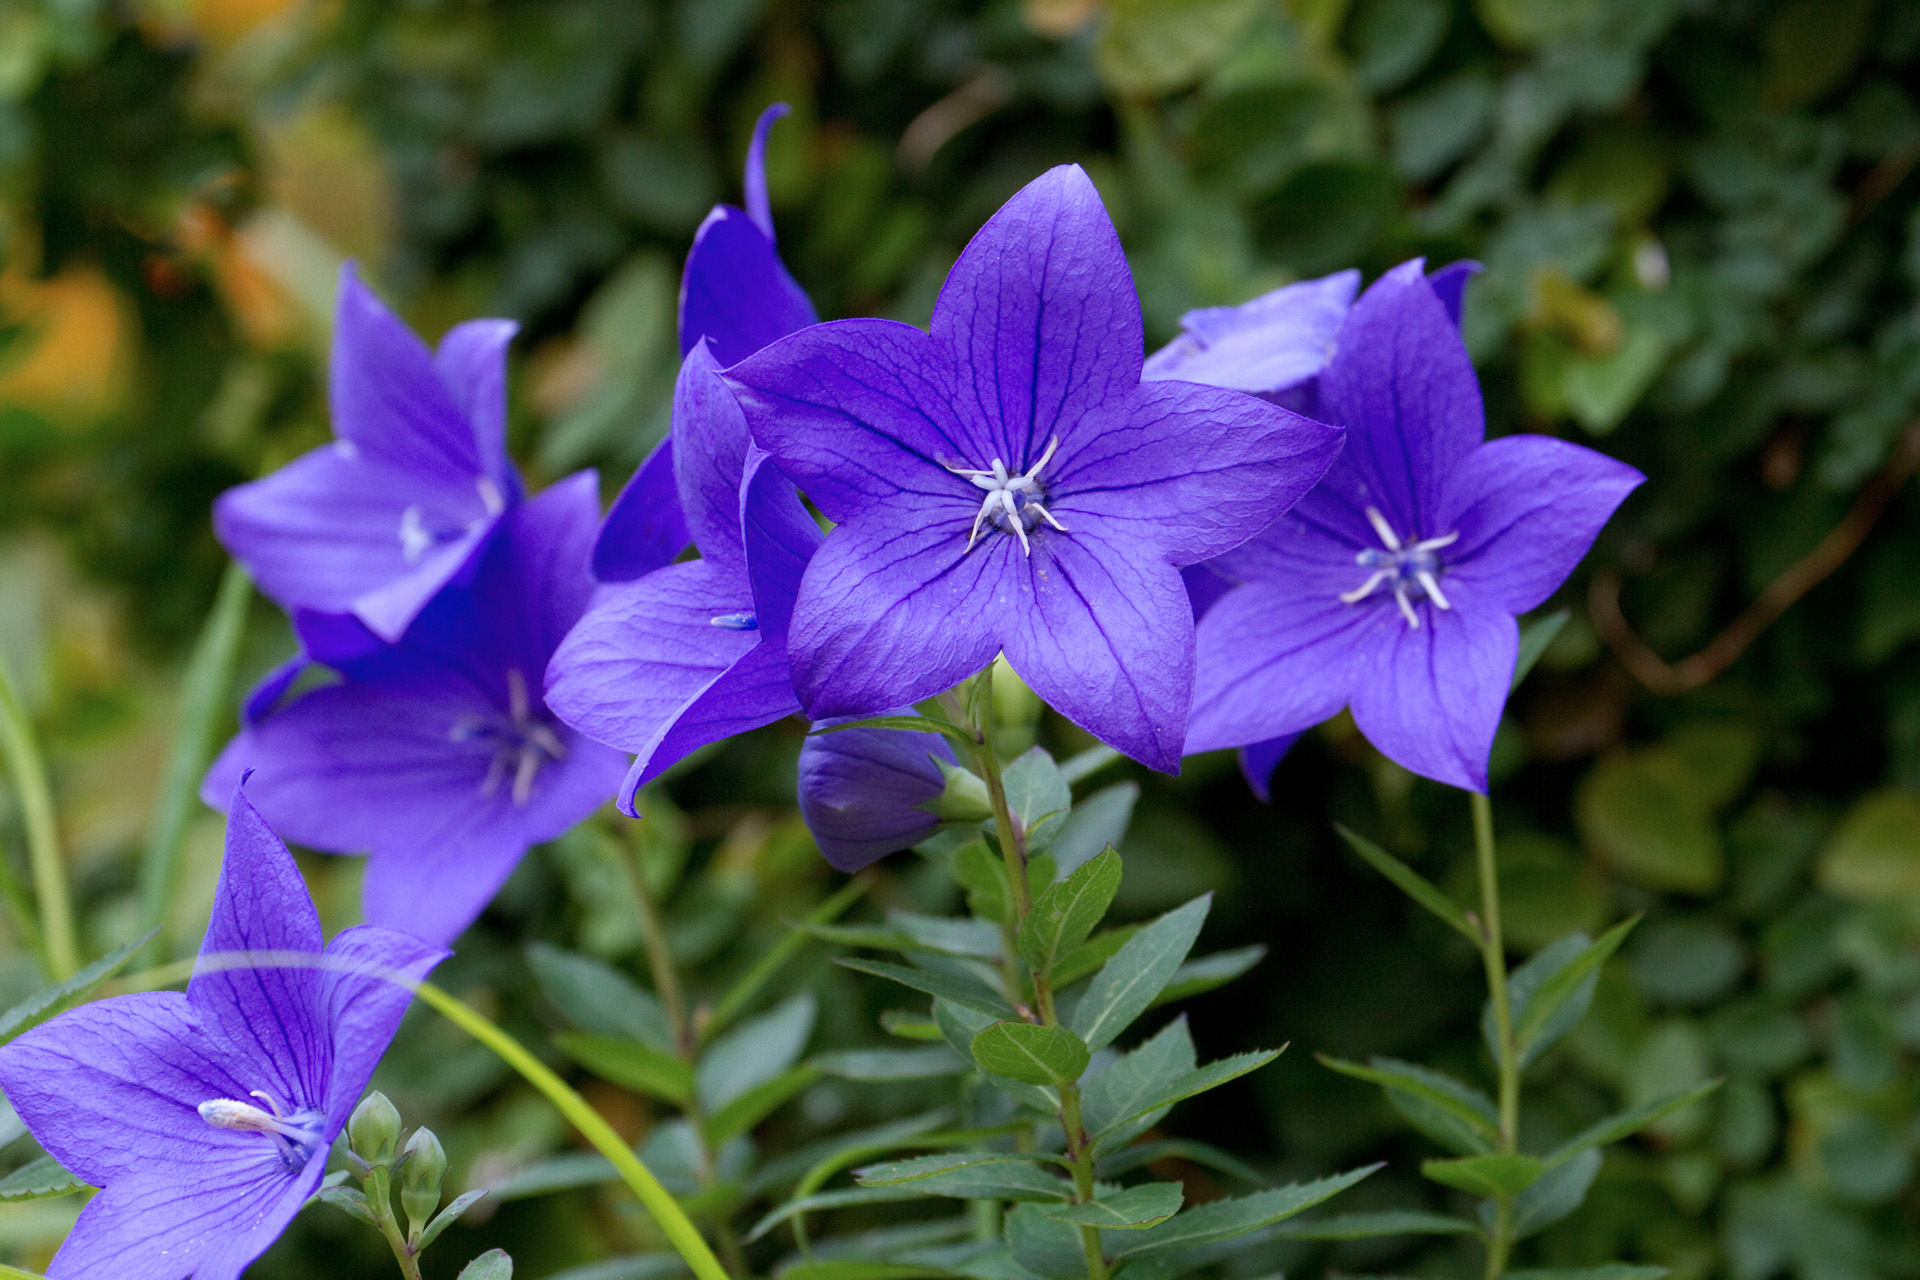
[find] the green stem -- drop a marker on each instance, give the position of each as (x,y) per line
(673,1220)
(203,698)
(666,977)
(1493,954)
(22,756)
(379,1193)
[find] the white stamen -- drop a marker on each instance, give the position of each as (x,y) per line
(1366,588)
(415,541)
(1432,585)
(1004,496)
(490,495)
(1385,530)
(1406,609)
(1406,566)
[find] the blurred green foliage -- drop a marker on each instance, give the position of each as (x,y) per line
(1701,227)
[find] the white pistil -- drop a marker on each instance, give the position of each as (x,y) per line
(1011,497)
(1404,566)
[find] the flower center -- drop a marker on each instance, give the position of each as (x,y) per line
(1410,570)
(1013,503)
(296,1135)
(523,741)
(417,538)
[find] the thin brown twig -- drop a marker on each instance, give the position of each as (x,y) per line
(1803,575)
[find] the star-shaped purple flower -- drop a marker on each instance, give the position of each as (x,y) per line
(207,1117)
(436,755)
(695,652)
(1392,587)
(375,523)
(1007,483)
(737,294)
(863,792)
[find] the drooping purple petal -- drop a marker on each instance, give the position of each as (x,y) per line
(472,363)
(1450,285)
(861,790)
(646,527)
(759,208)
(1402,387)
(1107,642)
(710,457)
(271,688)
(1432,696)
(779,539)
(755,690)
(1527,508)
(1270,344)
(388,396)
(735,291)
(1040,320)
(1258,760)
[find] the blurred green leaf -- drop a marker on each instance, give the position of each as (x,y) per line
(1557,1193)
(1457,1116)
(976,1175)
(1627,1123)
(1875,851)
(1152,46)
(1487,1175)
(1369,1226)
(631,1064)
(1643,812)
(596,997)
(754,1053)
(51,1001)
(494,1264)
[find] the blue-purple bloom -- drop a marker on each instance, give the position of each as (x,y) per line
(1392,587)
(207,1117)
(374,524)
(864,792)
(737,294)
(1007,483)
(436,755)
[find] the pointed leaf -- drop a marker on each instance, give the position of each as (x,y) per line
(1040,1247)
(1141,1154)
(596,997)
(1196,977)
(630,1064)
(494,1264)
(352,1200)
(51,1001)
(754,1052)
(1067,912)
(1535,636)
(450,1215)
(41,1178)
(978,939)
(1411,883)
(1133,1209)
(1544,1012)
(961,991)
(1225,1219)
(892,1064)
(1091,954)
(1192,1083)
(1453,1114)
(1126,985)
(1628,1123)
(1558,1193)
(1035,788)
(756,1104)
(1605,1271)
(1031,1054)
(907,724)
(1132,1081)
(969,1175)
(1491,1176)
(1093,824)
(1369,1226)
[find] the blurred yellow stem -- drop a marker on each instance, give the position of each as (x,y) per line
(29,774)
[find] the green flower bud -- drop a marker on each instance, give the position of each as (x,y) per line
(420,1179)
(964,800)
(374,1130)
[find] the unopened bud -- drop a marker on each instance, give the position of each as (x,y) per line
(964,799)
(374,1129)
(420,1179)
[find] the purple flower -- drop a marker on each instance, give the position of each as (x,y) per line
(695,652)
(207,1117)
(1392,587)
(864,792)
(737,294)
(1007,483)
(436,754)
(374,524)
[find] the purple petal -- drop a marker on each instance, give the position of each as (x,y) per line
(1431,701)
(1450,285)
(646,527)
(1204,586)
(860,412)
(645,650)
(1274,342)
(1186,470)
(888,616)
(735,291)
(779,539)
(1258,760)
(472,361)
(1527,508)
(1107,641)
(339,640)
(711,457)
(1041,320)
(266,694)
(271,1013)
(758,206)
(861,791)
(388,397)
(756,690)
(1403,388)
(364,993)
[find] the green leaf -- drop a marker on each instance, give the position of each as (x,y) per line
(1133,1209)
(1410,882)
(907,1026)
(1126,985)
(1628,1123)
(756,1104)
(596,997)
(1093,824)
(1535,637)
(450,1215)
(1369,1226)
(841,1199)
(1192,1083)
(969,1175)
(1558,1193)
(1196,977)
(49,1002)
(1035,788)
(1040,1247)
(1067,912)
(41,1178)
(892,1064)
(962,991)
(1225,1219)
(1132,1081)
(1491,1176)
(1547,1003)
(753,1053)
(1644,813)
(1031,1054)
(855,1270)
(350,1199)
(1091,954)
(494,1264)
(1874,853)
(963,936)
(1139,1155)
(1457,1116)
(630,1064)
(1155,46)
(1605,1271)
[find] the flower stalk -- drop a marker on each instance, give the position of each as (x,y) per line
(1493,955)
(21,755)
